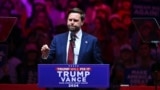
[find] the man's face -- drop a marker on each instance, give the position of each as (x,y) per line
(74,22)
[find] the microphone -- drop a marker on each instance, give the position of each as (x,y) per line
(73,36)
(72,40)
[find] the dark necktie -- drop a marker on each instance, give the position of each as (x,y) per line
(71,50)
(71,53)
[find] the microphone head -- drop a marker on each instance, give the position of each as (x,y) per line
(73,36)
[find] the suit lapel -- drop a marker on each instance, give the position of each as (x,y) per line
(64,46)
(84,44)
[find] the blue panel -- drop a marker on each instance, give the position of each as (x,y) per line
(81,75)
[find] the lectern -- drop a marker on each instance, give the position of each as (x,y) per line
(71,75)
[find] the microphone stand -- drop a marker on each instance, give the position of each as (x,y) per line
(72,41)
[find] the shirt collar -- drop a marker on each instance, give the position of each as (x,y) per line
(78,34)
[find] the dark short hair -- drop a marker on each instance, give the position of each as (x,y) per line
(77,10)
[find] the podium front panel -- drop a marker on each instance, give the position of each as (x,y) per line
(69,75)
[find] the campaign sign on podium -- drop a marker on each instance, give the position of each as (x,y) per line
(67,75)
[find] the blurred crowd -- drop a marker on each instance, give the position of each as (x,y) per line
(38,21)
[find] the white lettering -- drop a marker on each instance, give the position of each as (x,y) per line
(63,79)
(65,73)
(87,73)
(59,73)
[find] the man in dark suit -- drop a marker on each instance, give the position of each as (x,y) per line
(85,47)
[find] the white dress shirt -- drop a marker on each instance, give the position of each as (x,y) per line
(77,46)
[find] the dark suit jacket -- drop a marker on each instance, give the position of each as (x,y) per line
(89,51)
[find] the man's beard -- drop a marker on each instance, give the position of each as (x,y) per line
(73,29)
